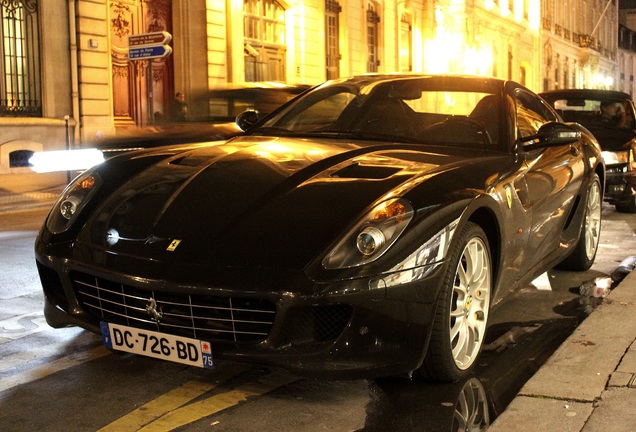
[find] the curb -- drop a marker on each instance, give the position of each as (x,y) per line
(567,393)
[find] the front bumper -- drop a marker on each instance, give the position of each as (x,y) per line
(343,330)
(620,184)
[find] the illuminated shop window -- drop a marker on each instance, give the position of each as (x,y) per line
(20,87)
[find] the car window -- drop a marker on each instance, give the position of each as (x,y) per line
(323,113)
(590,112)
(532,113)
(421,111)
(226,104)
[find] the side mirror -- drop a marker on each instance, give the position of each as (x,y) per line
(550,135)
(247,119)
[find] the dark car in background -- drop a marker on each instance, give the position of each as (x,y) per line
(227,102)
(364,229)
(609,115)
(211,117)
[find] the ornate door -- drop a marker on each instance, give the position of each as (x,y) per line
(133,94)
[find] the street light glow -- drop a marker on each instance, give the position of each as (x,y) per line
(449,53)
(65,160)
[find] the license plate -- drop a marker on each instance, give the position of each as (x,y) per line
(163,346)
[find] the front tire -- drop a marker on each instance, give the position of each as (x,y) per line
(463,304)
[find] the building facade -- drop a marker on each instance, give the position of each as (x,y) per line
(69,80)
(627,46)
(579,44)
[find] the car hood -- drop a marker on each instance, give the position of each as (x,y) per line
(250,202)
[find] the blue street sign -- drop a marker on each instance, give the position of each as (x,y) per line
(148,52)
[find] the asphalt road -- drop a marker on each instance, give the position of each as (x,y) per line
(65,379)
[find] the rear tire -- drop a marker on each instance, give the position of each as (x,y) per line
(461,314)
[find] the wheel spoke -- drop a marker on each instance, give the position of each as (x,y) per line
(460,339)
(592,221)
(471,408)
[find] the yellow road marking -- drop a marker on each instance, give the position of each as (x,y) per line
(171,401)
(198,410)
(58,365)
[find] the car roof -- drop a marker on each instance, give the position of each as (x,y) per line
(459,82)
(406,75)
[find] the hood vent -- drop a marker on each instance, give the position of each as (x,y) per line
(372,172)
(191,160)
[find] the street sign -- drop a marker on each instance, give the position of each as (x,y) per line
(148,46)
(149,52)
(155,38)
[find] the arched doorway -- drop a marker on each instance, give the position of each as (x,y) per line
(131,89)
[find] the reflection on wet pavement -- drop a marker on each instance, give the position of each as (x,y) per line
(514,353)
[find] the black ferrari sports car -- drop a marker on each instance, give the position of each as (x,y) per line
(364,229)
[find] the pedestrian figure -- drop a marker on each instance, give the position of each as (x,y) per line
(179,108)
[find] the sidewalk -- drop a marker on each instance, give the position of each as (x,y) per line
(30,190)
(589,383)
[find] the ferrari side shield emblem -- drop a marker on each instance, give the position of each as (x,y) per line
(173,245)
(509,196)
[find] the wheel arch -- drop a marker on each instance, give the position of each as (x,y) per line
(600,171)
(487,220)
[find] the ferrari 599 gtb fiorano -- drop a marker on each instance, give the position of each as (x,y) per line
(364,229)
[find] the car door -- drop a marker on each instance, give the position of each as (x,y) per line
(553,178)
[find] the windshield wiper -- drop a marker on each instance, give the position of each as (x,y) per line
(272,130)
(333,133)
(359,135)
(374,136)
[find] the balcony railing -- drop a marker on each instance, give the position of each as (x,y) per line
(20,108)
(587,41)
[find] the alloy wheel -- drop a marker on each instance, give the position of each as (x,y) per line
(470,303)
(593,220)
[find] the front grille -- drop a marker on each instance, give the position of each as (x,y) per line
(206,317)
(319,323)
(615,189)
(616,169)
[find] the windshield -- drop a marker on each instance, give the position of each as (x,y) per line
(407,110)
(590,112)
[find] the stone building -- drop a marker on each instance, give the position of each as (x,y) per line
(627,46)
(69,80)
(579,44)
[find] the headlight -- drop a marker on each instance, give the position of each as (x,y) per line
(71,202)
(421,262)
(614,158)
(372,236)
(370,240)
